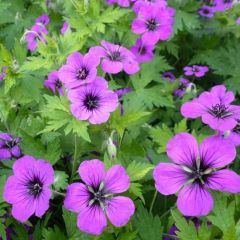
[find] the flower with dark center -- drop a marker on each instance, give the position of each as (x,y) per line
(115,58)
(206,11)
(9,146)
(196,170)
(215,108)
(93,102)
(222,5)
(95,199)
(154,23)
(79,70)
(122,3)
(195,70)
(142,51)
(54,83)
(28,190)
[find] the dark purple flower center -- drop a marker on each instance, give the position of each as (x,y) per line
(220,111)
(91,101)
(195,69)
(58,84)
(142,50)
(34,187)
(205,11)
(99,195)
(10,144)
(82,73)
(237,128)
(115,56)
(151,24)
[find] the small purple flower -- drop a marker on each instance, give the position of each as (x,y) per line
(215,109)
(3,73)
(122,3)
(169,76)
(143,51)
(181,90)
(79,70)
(53,82)
(43,19)
(115,58)
(222,5)
(143,3)
(65,27)
(195,70)
(153,23)
(93,102)
(95,198)
(206,11)
(37,32)
(195,170)
(28,189)
(9,146)
(238,20)
(122,91)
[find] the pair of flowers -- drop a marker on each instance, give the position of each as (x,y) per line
(94,199)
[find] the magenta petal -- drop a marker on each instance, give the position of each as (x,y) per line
(169,178)
(12,190)
(92,172)
(183,149)
(192,109)
(16,151)
(45,170)
(225,181)
(42,202)
(6,136)
(215,152)
(80,112)
(23,210)
(111,66)
(117,180)
(194,200)
(120,210)
(99,117)
(77,197)
(5,154)
(75,60)
(92,220)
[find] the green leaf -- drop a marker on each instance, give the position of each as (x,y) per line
(2,183)
(138,170)
(60,180)
(70,220)
(147,225)
(136,190)
(53,234)
(127,236)
(181,126)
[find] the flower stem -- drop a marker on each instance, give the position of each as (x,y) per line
(74,158)
(153,201)
(58,193)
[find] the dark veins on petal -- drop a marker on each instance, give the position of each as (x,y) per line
(91,101)
(34,186)
(115,56)
(82,73)
(220,111)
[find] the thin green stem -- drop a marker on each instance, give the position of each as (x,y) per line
(74,158)
(58,193)
(111,77)
(153,201)
(167,212)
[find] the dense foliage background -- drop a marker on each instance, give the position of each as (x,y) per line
(151,113)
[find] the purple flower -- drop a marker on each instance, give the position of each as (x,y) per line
(9,146)
(94,200)
(28,189)
(142,51)
(43,19)
(122,91)
(115,58)
(79,70)
(93,102)
(181,90)
(169,76)
(206,11)
(195,70)
(238,20)
(222,5)
(215,109)
(3,73)
(53,82)
(153,23)
(142,3)
(37,32)
(65,27)
(122,3)
(195,170)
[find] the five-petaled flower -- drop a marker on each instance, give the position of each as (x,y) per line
(95,198)
(195,70)
(9,146)
(93,102)
(215,109)
(28,189)
(54,83)
(195,170)
(79,70)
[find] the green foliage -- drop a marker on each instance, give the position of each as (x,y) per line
(60,180)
